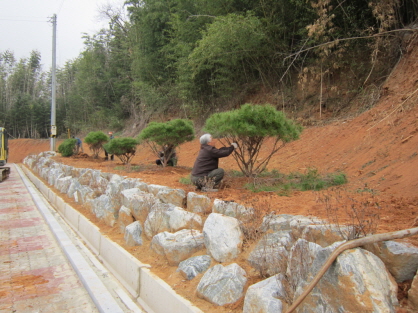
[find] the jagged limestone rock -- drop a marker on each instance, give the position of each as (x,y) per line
(223,237)
(266,296)
(133,234)
(125,218)
(139,202)
(103,209)
(179,218)
(222,285)
(154,189)
(233,209)
(269,256)
(176,197)
(400,258)
(357,282)
(178,246)
(198,203)
(74,186)
(413,293)
(63,184)
(193,266)
(157,220)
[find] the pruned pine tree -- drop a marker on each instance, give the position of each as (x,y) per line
(166,137)
(250,127)
(96,141)
(123,148)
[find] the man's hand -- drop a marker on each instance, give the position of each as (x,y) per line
(235,145)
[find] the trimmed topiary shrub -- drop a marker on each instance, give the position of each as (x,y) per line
(123,148)
(164,138)
(250,126)
(95,141)
(67,147)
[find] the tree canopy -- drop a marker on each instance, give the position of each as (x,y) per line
(123,148)
(250,127)
(190,58)
(96,141)
(166,137)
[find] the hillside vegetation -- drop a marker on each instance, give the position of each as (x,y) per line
(314,60)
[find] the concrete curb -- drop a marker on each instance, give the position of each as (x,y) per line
(94,286)
(151,292)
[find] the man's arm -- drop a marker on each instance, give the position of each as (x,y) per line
(222,152)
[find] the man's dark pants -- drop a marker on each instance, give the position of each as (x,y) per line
(213,179)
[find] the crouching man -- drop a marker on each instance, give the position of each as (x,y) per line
(206,175)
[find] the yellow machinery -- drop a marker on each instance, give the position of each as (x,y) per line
(4,152)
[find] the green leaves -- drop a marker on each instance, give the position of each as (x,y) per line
(230,46)
(253,121)
(123,148)
(250,126)
(174,132)
(167,136)
(67,147)
(95,141)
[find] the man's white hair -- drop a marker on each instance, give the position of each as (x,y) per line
(206,138)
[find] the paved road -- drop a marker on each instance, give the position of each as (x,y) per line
(43,265)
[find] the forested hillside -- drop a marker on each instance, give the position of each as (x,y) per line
(189,58)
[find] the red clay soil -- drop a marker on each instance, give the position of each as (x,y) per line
(377,150)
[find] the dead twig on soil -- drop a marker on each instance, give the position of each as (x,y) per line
(350,245)
(394,109)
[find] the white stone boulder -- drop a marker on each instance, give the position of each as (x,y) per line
(63,184)
(233,209)
(222,285)
(179,218)
(193,266)
(179,246)
(269,256)
(400,258)
(125,218)
(223,237)
(176,197)
(357,282)
(198,203)
(157,220)
(133,234)
(265,296)
(139,202)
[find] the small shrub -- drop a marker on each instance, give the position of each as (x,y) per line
(166,137)
(67,147)
(123,148)
(249,127)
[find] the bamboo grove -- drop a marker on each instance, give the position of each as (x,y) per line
(188,58)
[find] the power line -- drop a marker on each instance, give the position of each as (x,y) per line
(18,20)
(60,7)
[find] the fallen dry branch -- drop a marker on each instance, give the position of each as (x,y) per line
(350,245)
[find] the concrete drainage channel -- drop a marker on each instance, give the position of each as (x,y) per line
(151,292)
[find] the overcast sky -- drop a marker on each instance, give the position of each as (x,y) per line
(25,26)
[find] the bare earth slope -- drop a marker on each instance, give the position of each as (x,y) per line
(378,150)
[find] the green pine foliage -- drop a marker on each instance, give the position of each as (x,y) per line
(250,127)
(95,141)
(123,148)
(166,137)
(67,147)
